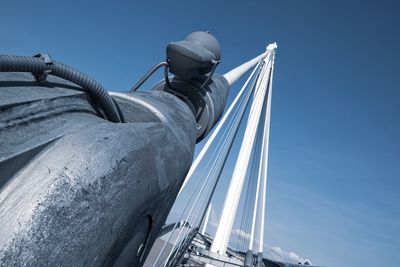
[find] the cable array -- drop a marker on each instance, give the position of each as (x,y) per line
(254,98)
(195,208)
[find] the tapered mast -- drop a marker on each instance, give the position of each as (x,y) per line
(225,225)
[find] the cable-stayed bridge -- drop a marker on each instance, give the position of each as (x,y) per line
(186,242)
(92,175)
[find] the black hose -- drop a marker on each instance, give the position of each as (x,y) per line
(37,66)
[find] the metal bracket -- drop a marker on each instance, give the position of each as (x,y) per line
(47,60)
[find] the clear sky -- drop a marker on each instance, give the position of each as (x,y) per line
(333,184)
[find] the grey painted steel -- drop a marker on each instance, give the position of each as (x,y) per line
(147,75)
(207,104)
(155,250)
(248,259)
(207,40)
(259,260)
(195,56)
(78,190)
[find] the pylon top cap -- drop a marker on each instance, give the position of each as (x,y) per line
(272,46)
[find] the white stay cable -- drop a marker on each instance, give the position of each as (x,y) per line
(220,160)
(232,198)
(182,214)
(265,158)
(210,140)
(208,180)
(259,174)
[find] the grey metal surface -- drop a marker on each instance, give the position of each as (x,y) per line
(207,104)
(77,190)
(249,259)
(157,247)
(194,56)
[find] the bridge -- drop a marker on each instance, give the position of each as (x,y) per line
(186,243)
(182,109)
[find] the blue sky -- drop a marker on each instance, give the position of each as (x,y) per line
(333,184)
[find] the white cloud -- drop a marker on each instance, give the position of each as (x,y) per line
(271,252)
(238,232)
(278,254)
